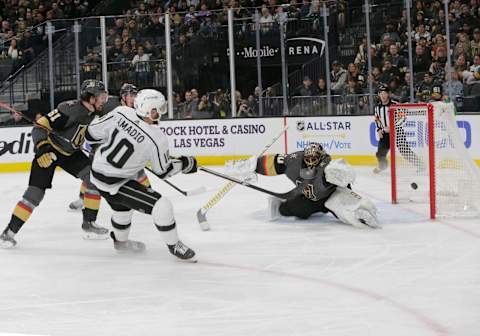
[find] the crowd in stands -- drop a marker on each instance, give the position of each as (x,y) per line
(389,57)
(22,31)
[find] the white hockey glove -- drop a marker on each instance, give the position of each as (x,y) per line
(176,168)
(352,209)
(182,164)
(242,169)
(340,173)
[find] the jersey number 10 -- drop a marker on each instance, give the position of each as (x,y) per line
(120,153)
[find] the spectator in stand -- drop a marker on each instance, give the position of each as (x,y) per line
(338,78)
(455,91)
(421,61)
(126,37)
(476,63)
(141,66)
(133,45)
(119,26)
(151,50)
(187,107)
(266,20)
(464,41)
(204,108)
(397,60)
(461,63)
(156,30)
(280,15)
(388,72)
(305,8)
(424,91)
(421,32)
(321,87)
(219,105)
(475,42)
(114,51)
(438,70)
(307,89)
(384,49)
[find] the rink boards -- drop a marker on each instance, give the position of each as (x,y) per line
(213,141)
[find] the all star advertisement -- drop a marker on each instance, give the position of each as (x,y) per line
(298,50)
(340,136)
(216,140)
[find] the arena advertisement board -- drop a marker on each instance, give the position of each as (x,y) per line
(229,137)
(214,141)
(340,136)
(16,144)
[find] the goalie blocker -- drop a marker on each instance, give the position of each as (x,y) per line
(323,186)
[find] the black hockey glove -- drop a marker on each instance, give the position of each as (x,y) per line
(189,164)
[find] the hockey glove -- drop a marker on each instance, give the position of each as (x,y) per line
(44,154)
(189,164)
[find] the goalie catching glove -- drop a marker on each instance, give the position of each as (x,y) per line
(340,173)
(242,169)
(44,154)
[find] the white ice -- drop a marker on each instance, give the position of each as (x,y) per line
(414,277)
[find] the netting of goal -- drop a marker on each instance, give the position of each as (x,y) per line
(430,163)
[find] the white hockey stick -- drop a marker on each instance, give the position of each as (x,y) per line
(202,212)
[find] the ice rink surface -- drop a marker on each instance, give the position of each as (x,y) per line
(254,277)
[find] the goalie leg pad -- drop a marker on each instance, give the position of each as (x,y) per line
(351,208)
(164,220)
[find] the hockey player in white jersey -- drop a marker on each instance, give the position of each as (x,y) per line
(128,142)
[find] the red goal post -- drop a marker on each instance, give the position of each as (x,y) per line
(429,161)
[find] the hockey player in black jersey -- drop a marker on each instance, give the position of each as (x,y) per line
(58,137)
(323,186)
(128,92)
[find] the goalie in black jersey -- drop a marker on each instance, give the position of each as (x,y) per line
(323,186)
(58,139)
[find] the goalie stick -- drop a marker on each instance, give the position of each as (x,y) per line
(202,212)
(12,110)
(234,180)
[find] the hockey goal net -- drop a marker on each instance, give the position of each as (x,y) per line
(429,161)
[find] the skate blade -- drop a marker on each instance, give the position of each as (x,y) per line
(7,246)
(74,209)
(94,236)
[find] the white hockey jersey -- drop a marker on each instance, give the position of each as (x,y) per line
(127,145)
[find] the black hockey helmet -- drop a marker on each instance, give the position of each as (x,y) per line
(91,88)
(313,154)
(128,88)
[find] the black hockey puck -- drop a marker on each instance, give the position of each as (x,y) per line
(414,186)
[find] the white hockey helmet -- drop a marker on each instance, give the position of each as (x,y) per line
(147,100)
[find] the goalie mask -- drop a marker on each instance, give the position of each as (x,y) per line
(313,154)
(148,100)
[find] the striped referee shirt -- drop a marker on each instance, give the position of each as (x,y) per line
(381,115)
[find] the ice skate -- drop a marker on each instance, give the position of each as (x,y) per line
(378,170)
(129,246)
(92,231)
(76,205)
(182,251)
(6,239)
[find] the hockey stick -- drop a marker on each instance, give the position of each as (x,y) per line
(12,110)
(282,196)
(202,212)
(190,192)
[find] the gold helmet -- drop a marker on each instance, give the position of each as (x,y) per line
(313,154)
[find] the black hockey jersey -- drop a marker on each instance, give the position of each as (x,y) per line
(68,124)
(309,181)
